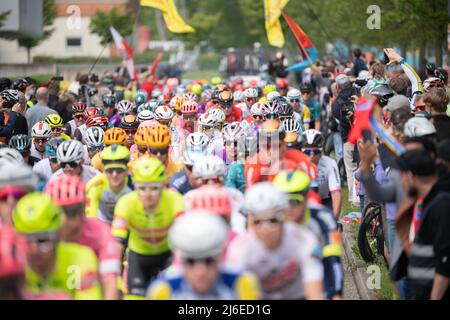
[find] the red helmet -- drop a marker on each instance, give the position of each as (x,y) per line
(79,107)
(66,190)
(91,112)
(189,107)
(239,87)
(240,81)
(231,85)
(211,198)
(97,121)
(281,83)
(13,252)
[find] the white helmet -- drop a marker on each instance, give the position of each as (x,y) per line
(145,115)
(312,138)
(70,151)
(209,167)
(238,96)
(272,95)
(208,120)
(41,130)
(124,107)
(197,141)
(11,155)
(264,197)
(190,96)
(218,113)
(94,137)
(291,125)
(191,157)
(234,132)
(418,127)
(293,94)
(17,174)
(198,234)
(163,113)
(251,93)
(156,93)
(257,109)
(173,101)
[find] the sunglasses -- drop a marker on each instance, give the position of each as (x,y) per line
(315,152)
(11,191)
(96,149)
(45,242)
(258,117)
(40,140)
(156,151)
(306,92)
(271,221)
(71,164)
(250,99)
(53,160)
(73,211)
(225,106)
(284,117)
(209,261)
(189,167)
(130,131)
(117,170)
(56,129)
(272,116)
(294,100)
(206,181)
(79,116)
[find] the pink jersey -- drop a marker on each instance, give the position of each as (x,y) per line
(96,235)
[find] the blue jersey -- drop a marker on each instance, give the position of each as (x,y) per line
(235,176)
(180,182)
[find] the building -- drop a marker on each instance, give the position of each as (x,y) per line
(71,36)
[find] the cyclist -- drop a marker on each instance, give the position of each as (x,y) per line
(312,104)
(207,124)
(320,220)
(251,97)
(130,124)
(329,181)
(49,165)
(78,119)
(68,192)
(225,102)
(70,156)
(104,190)
(94,145)
(301,112)
(184,181)
(109,106)
(56,124)
(235,137)
(199,238)
(283,255)
(40,133)
(51,263)
(141,222)
(22,143)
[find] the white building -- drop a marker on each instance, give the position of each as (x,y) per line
(71,36)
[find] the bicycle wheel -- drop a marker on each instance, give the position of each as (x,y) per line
(370,235)
(342,172)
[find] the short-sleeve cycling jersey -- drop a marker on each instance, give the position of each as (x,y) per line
(235,176)
(314,108)
(87,174)
(180,182)
(75,272)
(101,200)
(35,153)
(147,231)
(96,162)
(328,177)
(283,271)
(235,115)
(44,169)
(304,113)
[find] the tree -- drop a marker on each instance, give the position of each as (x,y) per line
(3,16)
(101,21)
(49,15)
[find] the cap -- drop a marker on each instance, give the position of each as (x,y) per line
(397,102)
(343,81)
(418,161)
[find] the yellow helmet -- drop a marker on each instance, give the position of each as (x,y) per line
(115,153)
(158,136)
(294,183)
(54,120)
(196,89)
(269,88)
(149,170)
(140,138)
(178,103)
(35,213)
(114,136)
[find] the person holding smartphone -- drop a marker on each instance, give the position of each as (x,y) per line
(9,113)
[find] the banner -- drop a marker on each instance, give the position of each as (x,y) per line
(272,12)
(307,48)
(126,52)
(172,18)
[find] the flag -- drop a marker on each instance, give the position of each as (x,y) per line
(172,18)
(363,113)
(386,137)
(126,52)
(307,48)
(155,63)
(272,12)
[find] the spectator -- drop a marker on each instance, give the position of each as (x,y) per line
(9,111)
(41,110)
(64,106)
(358,63)
(21,126)
(436,101)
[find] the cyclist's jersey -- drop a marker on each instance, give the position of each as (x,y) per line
(75,272)
(283,271)
(73,128)
(216,144)
(101,200)
(147,232)
(235,115)
(37,154)
(328,177)
(80,133)
(235,176)
(321,221)
(180,182)
(64,136)
(244,109)
(96,162)
(314,108)
(44,169)
(87,174)
(228,286)
(96,235)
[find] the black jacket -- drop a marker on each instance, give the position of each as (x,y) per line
(358,66)
(344,123)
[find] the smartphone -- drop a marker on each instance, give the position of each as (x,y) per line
(386,58)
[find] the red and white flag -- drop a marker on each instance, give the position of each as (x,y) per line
(126,51)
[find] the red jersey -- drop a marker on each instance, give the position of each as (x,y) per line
(235,115)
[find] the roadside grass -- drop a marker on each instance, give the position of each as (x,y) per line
(200,74)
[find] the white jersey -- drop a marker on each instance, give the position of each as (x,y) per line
(73,127)
(282,272)
(82,129)
(87,174)
(44,169)
(216,144)
(244,108)
(37,154)
(328,177)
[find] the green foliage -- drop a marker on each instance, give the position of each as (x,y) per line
(3,17)
(101,21)
(208,61)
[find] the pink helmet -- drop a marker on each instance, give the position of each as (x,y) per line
(172,82)
(12,252)
(91,112)
(66,190)
(189,107)
(211,198)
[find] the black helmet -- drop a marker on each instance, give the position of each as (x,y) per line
(383,93)
(20,142)
(305,87)
(312,138)
(20,84)
(109,100)
(5,83)
(430,67)
(285,108)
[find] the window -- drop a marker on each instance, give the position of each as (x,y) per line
(73,42)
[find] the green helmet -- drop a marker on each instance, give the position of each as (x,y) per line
(294,183)
(35,213)
(139,99)
(115,153)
